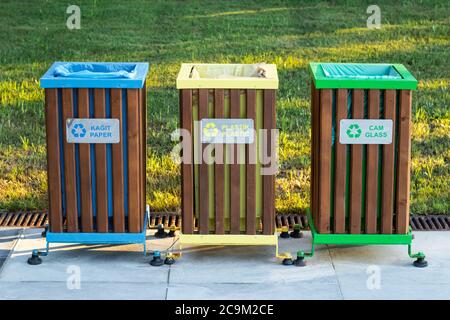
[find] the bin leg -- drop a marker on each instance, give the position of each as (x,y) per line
(420,261)
(35,258)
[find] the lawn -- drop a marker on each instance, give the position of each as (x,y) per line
(167,33)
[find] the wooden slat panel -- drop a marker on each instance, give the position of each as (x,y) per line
(234,169)
(403,165)
(372,168)
(387,192)
(53,160)
(87,219)
(251,169)
(117,164)
(203,168)
(325,160)
(340,164)
(69,165)
(269,123)
(100,167)
(187,177)
(134,223)
(219,181)
(356,167)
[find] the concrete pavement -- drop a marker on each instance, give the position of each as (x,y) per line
(244,272)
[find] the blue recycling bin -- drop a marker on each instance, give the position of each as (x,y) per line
(96,152)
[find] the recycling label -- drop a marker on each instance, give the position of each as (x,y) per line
(93,130)
(365,131)
(227,131)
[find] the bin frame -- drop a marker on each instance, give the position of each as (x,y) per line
(320,82)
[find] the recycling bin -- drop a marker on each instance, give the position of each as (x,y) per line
(96,151)
(227,114)
(361,131)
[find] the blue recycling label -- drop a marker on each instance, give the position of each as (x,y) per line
(93,130)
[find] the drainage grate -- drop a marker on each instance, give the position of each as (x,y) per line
(430,223)
(34,219)
(38,219)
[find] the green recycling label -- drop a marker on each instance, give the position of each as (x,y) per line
(365,131)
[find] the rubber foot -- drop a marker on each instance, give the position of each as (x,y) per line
(420,263)
(288,262)
(300,262)
(171,234)
(169,260)
(160,233)
(34,259)
(284,235)
(156,262)
(296,234)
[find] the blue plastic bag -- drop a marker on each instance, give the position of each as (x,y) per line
(95,71)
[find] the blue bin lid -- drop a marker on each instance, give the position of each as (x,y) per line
(95,75)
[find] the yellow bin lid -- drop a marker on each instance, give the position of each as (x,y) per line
(227,76)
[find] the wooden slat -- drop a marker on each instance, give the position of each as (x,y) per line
(134,224)
(69,165)
(372,168)
(53,160)
(87,218)
(340,164)
(325,160)
(387,183)
(219,182)
(117,164)
(315,98)
(187,177)
(269,123)
(235,224)
(356,167)
(203,186)
(100,166)
(403,162)
(144,149)
(250,227)
(141,159)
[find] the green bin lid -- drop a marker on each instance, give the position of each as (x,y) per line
(361,76)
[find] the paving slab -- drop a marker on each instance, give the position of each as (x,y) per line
(386,272)
(104,263)
(249,264)
(8,237)
(41,290)
(324,288)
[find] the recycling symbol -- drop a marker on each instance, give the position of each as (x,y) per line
(78,131)
(210,130)
(354,131)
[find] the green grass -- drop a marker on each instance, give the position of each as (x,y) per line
(167,33)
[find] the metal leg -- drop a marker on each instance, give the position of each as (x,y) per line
(420,261)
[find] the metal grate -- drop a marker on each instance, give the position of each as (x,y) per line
(38,219)
(430,223)
(35,219)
